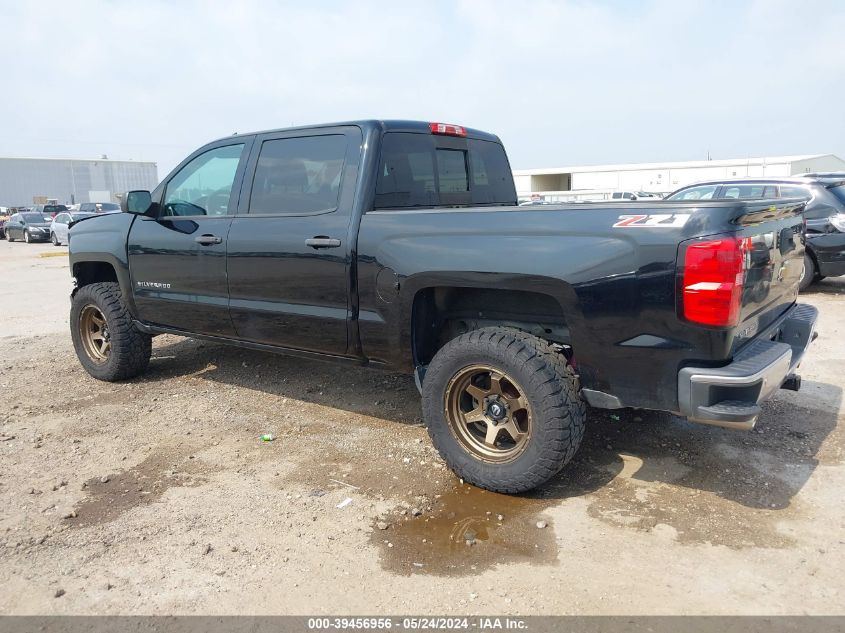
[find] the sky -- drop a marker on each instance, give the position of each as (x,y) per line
(562,82)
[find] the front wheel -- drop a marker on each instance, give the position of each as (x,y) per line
(54,239)
(107,343)
(808,273)
(502,408)
(26,237)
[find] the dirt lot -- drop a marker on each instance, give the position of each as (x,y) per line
(156,496)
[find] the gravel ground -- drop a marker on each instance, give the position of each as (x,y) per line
(156,496)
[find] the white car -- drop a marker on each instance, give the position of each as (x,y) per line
(635,195)
(60,224)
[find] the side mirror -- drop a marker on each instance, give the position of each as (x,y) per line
(138,202)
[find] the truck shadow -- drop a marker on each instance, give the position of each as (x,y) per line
(763,469)
(828,286)
(626,455)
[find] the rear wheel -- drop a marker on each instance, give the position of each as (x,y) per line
(808,273)
(107,343)
(502,408)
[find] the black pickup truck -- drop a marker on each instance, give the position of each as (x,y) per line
(400,245)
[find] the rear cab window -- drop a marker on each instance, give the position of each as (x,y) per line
(426,170)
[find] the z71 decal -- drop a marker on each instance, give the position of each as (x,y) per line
(656,221)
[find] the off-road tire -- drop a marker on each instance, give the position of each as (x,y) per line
(549,385)
(130,348)
(810,273)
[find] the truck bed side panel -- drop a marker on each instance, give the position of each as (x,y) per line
(616,286)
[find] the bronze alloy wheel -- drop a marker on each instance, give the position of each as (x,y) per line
(488,413)
(94,334)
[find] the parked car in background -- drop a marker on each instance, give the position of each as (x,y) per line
(99,207)
(634,195)
(49,210)
(824,214)
(824,174)
(60,225)
(30,226)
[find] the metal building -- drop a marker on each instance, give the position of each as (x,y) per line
(24,181)
(664,177)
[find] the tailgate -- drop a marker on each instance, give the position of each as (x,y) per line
(774,234)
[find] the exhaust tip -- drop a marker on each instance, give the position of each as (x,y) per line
(792,382)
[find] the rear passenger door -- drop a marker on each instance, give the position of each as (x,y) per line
(289,247)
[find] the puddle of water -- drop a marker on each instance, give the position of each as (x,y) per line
(140,485)
(464,534)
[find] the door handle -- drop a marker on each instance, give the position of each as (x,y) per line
(321,241)
(207,240)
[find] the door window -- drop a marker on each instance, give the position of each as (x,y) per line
(204,185)
(298,175)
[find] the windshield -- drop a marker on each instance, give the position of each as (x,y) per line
(839,192)
(32,218)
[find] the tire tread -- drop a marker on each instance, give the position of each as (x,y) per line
(559,411)
(131,348)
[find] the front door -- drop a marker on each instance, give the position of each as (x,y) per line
(289,246)
(177,257)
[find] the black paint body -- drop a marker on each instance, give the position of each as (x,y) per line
(614,289)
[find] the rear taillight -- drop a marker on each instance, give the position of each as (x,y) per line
(713,274)
(448,129)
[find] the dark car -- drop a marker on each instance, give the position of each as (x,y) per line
(824,213)
(29,227)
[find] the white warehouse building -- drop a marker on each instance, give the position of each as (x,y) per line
(664,177)
(23,181)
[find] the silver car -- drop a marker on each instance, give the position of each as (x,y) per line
(59,226)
